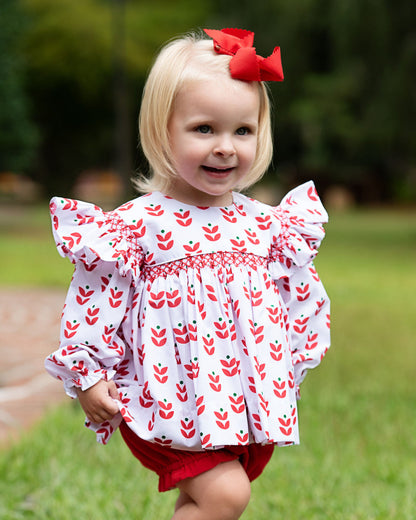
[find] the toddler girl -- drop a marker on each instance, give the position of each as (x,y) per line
(194,311)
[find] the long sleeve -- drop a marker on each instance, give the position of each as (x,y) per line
(91,343)
(308,318)
(107,257)
(295,245)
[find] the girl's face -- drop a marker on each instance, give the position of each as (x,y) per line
(213,138)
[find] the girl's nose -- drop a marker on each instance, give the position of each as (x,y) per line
(224,146)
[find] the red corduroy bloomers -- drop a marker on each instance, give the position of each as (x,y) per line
(173,465)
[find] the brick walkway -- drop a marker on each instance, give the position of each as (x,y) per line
(29,331)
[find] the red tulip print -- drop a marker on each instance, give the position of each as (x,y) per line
(257,331)
(201,310)
(222,419)
(200,406)
(300,325)
(302,291)
(260,367)
(181,334)
(72,239)
(69,204)
(183,219)
(126,415)
(228,215)
(192,368)
(221,327)
(92,315)
(165,410)
(319,306)
(115,299)
(264,222)
(264,404)
(163,441)
(192,248)
(159,338)
(256,421)
(312,342)
(192,331)
(138,228)
(173,298)
(145,399)
(191,294)
(252,237)
(252,385)
(84,295)
(205,441)
(256,297)
(71,329)
(117,347)
(208,344)
(67,351)
(164,240)
(312,194)
(126,206)
(285,425)
(279,390)
(160,373)
(80,367)
(238,244)
(211,233)
(154,211)
(108,334)
(230,366)
(273,314)
(314,274)
(242,438)
(215,382)
(181,394)
(237,403)
(276,351)
(157,300)
(187,430)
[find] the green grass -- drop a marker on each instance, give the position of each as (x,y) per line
(357,458)
(27,250)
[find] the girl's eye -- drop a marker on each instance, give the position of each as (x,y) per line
(203,129)
(243,131)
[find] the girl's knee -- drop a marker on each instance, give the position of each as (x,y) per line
(234,497)
(222,493)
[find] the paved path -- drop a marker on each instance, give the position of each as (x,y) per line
(29,331)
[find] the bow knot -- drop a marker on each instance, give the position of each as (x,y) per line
(245,64)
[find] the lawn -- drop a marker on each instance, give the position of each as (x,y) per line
(357,458)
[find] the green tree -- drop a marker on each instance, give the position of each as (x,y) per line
(71,48)
(346,110)
(18,135)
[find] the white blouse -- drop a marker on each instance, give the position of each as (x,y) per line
(206,318)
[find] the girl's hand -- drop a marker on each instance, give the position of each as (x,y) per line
(97,401)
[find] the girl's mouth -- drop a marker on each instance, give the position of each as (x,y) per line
(217,171)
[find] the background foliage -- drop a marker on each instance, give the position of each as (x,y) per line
(344,114)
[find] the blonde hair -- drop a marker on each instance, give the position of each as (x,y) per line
(189,57)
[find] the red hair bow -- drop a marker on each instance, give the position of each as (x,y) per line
(245,63)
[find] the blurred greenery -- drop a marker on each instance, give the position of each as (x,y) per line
(18,134)
(344,114)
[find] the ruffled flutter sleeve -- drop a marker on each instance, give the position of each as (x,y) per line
(106,257)
(301,216)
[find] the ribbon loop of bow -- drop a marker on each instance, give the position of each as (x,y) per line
(245,64)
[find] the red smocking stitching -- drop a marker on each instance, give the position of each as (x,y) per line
(212,260)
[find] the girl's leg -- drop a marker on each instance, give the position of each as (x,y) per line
(222,493)
(183,499)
